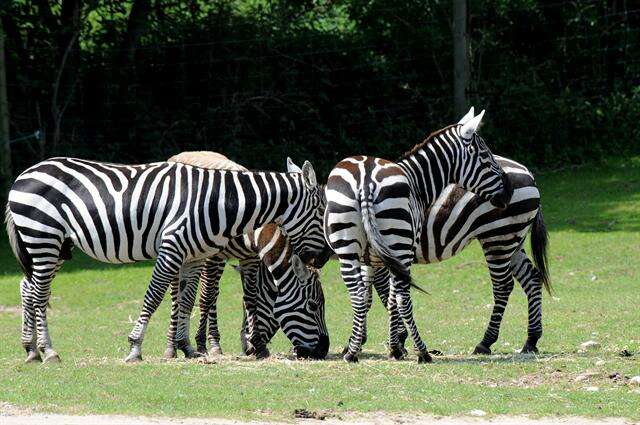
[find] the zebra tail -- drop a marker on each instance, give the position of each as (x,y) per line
(17,245)
(539,242)
(377,242)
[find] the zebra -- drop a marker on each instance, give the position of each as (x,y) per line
(458,217)
(176,213)
(375,213)
(265,260)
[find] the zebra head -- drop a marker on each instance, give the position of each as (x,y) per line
(474,166)
(305,224)
(299,308)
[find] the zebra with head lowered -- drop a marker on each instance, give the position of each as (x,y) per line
(375,210)
(456,219)
(266,260)
(176,213)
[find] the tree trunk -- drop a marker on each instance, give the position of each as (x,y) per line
(5,153)
(460,58)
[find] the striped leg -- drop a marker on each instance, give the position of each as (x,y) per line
(183,296)
(405,307)
(381,283)
(359,280)
(502,280)
(254,340)
(29,341)
(209,290)
(165,270)
(529,278)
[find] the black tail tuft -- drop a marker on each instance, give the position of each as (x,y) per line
(539,242)
(17,245)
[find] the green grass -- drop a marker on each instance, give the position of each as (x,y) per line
(594,218)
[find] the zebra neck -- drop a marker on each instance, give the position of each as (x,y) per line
(429,173)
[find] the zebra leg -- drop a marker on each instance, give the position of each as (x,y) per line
(209,290)
(359,280)
(529,278)
(502,279)
(254,339)
(29,340)
(396,346)
(165,271)
(40,295)
(381,282)
(170,352)
(405,306)
(189,277)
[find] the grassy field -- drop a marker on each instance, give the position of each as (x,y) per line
(593,214)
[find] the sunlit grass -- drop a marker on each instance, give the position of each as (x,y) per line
(594,218)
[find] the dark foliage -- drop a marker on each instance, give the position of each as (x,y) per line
(138,81)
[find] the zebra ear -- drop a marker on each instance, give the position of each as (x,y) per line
(301,271)
(309,175)
(291,167)
(471,126)
(467,116)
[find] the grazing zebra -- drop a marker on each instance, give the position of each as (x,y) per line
(375,210)
(266,260)
(176,213)
(458,217)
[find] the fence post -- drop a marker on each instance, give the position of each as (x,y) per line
(5,147)
(460,58)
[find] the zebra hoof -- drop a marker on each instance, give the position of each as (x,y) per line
(529,349)
(481,349)
(135,355)
(33,356)
(262,354)
(397,353)
(350,358)
(51,356)
(215,351)
(169,353)
(424,358)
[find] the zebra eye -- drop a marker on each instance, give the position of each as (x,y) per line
(313,306)
(471,149)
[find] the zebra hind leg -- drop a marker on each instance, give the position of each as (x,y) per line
(352,274)
(29,339)
(405,307)
(530,280)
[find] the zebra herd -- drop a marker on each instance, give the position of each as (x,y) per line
(197,210)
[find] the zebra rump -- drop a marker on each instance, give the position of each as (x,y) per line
(17,245)
(375,239)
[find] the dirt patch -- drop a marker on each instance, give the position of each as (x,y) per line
(14,417)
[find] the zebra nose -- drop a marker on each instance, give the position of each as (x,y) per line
(321,348)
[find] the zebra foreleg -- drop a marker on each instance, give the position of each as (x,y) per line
(209,290)
(502,280)
(405,307)
(165,271)
(189,276)
(170,352)
(529,278)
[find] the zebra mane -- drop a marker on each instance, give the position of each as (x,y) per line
(426,141)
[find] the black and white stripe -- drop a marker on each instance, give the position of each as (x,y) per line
(375,211)
(176,213)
